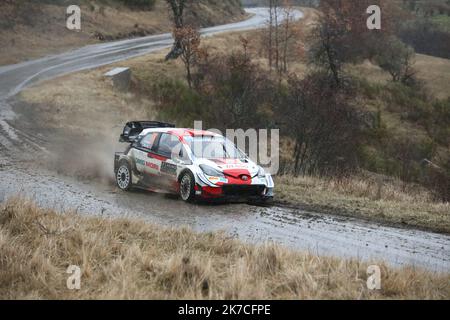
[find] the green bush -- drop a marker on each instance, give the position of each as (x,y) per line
(438,125)
(178,103)
(412,103)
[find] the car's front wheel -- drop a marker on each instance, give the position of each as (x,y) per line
(124,176)
(187,187)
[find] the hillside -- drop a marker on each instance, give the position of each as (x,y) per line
(29,29)
(78,108)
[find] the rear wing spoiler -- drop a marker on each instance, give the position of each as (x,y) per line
(133,129)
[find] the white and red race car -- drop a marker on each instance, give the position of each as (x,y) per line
(192,163)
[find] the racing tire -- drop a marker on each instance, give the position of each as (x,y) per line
(187,187)
(124,176)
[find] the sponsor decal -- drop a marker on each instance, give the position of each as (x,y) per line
(169,168)
(151,165)
(233,166)
(147,164)
(216,180)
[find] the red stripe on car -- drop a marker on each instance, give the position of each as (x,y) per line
(157,157)
(238,176)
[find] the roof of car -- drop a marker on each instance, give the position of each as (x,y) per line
(181,132)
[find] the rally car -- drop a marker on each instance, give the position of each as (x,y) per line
(195,164)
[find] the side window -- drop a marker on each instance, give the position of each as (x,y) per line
(183,153)
(148,141)
(167,144)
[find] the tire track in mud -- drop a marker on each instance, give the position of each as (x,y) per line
(306,231)
(18,144)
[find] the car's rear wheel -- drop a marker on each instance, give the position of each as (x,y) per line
(124,176)
(187,187)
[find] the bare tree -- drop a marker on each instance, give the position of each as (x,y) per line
(269,44)
(290,35)
(322,123)
(280,35)
(233,90)
(188,39)
(276,13)
(341,35)
(177,9)
(271,36)
(324,52)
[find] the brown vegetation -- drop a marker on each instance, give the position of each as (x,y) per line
(187,38)
(123,259)
(375,198)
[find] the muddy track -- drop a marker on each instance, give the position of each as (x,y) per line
(317,233)
(22,173)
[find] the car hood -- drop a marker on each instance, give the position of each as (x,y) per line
(232,167)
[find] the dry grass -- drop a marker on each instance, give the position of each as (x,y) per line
(433,72)
(77,102)
(373,198)
(123,259)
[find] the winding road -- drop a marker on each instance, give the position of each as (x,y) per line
(314,232)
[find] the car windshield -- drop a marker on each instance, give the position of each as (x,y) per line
(206,147)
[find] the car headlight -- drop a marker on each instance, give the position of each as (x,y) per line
(210,171)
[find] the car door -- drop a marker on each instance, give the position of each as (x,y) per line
(163,152)
(145,164)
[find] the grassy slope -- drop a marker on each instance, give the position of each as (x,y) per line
(34,29)
(123,259)
(391,202)
(432,71)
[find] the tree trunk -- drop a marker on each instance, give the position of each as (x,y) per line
(277,38)
(286,41)
(177,7)
(189,75)
(270,33)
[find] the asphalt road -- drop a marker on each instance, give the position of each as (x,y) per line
(314,232)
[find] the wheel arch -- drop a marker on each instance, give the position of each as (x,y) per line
(124,158)
(183,172)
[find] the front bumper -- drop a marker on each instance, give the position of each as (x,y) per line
(235,191)
(259,188)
